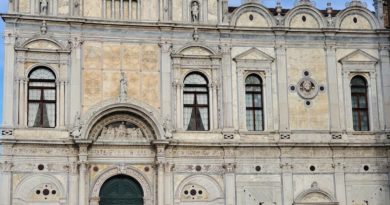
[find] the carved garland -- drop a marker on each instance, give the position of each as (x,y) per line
(145,184)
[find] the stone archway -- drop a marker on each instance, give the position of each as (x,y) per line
(315,196)
(121,190)
(126,171)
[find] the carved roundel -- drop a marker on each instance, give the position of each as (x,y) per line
(307,88)
(122,128)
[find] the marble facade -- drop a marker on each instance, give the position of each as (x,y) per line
(308,152)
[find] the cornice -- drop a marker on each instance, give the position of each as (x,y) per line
(223,28)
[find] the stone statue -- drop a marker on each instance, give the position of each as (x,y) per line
(76,7)
(168,128)
(121,131)
(76,131)
(43,7)
(123,87)
(195,11)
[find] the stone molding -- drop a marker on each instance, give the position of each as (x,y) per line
(253,7)
(300,199)
(125,170)
(357,10)
(28,183)
(105,108)
(305,9)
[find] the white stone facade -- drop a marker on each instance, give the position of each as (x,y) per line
(120,68)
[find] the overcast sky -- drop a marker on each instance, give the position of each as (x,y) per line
(337,4)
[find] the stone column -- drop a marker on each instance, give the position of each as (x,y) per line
(230,183)
(9,74)
(282,85)
(227,88)
(21,102)
(340,183)
(6,183)
(25,104)
(73,183)
(287,183)
(333,88)
(83,162)
(168,188)
(58,104)
(241,99)
(374,114)
(6,173)
(347,101)
(160,161)
(75,77)
(166,79)
(11,6)
(385,71)
(62,104)
(269,102)
(212,106)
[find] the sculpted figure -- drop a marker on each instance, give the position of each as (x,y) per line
(123,87)
(307,86)
(43,7)
(122,131)
(139,133)
(76,131)
(195,11)
(110,132)
(104,132)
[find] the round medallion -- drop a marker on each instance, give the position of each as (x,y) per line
(307,88)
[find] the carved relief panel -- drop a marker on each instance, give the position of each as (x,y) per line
(121,128)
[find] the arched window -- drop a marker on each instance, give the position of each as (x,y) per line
(359,104)
(196,102)
(42,98)
(254,103)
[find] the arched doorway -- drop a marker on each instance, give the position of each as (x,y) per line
(121,190)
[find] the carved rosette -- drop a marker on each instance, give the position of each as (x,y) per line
(307,88)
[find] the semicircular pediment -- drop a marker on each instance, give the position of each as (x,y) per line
(121,128)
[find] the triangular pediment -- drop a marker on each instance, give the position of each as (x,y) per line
(358,56)
(254,54)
